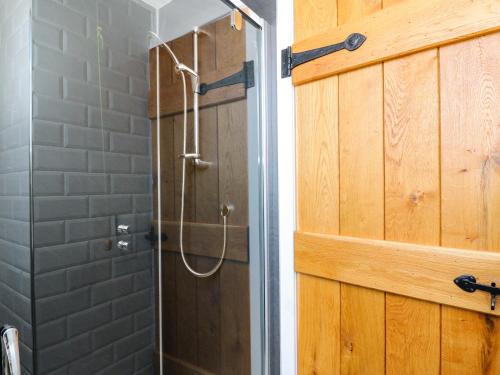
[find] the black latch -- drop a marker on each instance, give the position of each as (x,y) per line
(468,284)
(290,60)
(152,236)
(245,76)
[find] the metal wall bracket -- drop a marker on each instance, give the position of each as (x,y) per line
(245,76)
(468,284)
(290,60)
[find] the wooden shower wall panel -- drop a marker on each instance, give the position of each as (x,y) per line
(206,321)
(403,150)
(222,53)
(209,324)
(233,176)
(190,196)
(235,318)
(166,168)
(207,180)
(169,303)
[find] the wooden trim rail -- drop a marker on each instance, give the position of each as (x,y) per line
(172,99)
(398,30)
(418,271)
(206,240)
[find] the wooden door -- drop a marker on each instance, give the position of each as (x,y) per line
(398,187)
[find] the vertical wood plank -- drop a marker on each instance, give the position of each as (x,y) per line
(361,139)
(313,16)
(361,149)
(362,213)
(317,198)
(230,44)
(412,203)
(470,102)
(166,167)
(207,179)
(206,49)
(209,318)
(183,49)
(470,343)
(362,330)
(166,68)
(233,155)
(317,156)
(190,197)
(169,303)
(412,149)
(319,326)
(412,331)
(187,327)
(208,289)
(235,319)
(470,87)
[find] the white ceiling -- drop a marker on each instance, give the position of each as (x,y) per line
(157,3)
(179,17)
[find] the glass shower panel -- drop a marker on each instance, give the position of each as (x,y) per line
(92,187)
(206,321)
(15,229)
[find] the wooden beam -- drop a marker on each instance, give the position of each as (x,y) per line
(401,29)
(171,96)
(418,271)
(206,240)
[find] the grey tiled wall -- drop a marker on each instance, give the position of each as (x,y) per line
(15,288)
(94,308)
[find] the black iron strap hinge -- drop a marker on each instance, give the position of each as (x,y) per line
(245,76)
(290,60)
(468,284)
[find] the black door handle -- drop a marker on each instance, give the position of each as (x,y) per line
(468,284)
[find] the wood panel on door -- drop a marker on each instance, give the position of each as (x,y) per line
(398,187)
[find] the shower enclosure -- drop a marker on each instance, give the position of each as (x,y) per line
(131,207)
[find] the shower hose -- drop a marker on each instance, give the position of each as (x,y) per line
(224,212)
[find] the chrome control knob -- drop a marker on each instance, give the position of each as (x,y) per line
(123,245)
(123,229)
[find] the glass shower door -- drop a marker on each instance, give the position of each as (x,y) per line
(208,323)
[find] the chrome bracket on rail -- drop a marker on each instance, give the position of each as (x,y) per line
(290,60)
(245,76)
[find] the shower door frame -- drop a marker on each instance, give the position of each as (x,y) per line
(259,223)
(260,337)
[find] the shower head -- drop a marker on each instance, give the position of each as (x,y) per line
(170,52)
